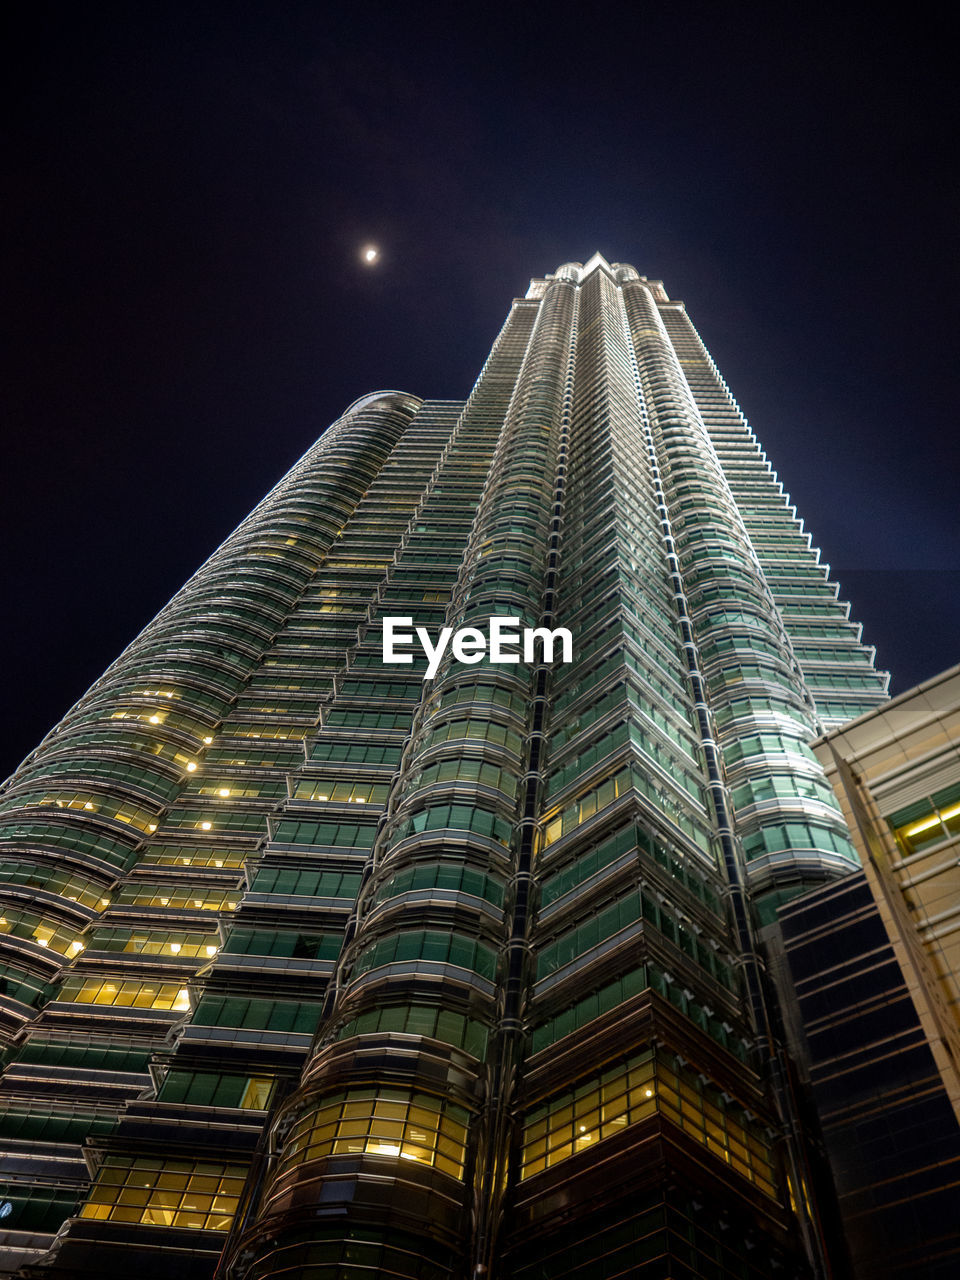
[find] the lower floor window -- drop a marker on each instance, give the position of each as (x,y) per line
(167,1193)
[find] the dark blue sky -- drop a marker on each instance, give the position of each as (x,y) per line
(186,188)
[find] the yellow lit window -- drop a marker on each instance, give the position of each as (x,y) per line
(583,809)
(180,896)
(342,792)
(234,789)
(105,805)
(166,1193)
(139,995)
(34,928)
(256,1096)
(178,857)
(266,730)
(185,946)
(930,829)
(643,1086)
(383,1122)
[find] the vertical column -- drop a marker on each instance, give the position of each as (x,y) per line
(787,821)
(635,1010)
(391,1108)
(718,550)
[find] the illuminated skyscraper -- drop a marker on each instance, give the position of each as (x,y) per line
(336,970)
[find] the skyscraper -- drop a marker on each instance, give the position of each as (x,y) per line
(333,968)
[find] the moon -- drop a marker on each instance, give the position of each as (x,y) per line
(370,255)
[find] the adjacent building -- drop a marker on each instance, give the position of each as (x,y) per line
(876,962)
(315,966)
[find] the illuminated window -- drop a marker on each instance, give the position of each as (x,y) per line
(156,942)
(383,1122)
(576,1122)
(266,729)
(197,897)
(75,888)
(107,806)
(139,995)
(35,928)
(595,800)
(183,856)
(928,822)
(644,1086)
(257,1093)
(166,1193)
(217,1089)
(342,792)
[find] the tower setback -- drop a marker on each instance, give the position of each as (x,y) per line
(314,966)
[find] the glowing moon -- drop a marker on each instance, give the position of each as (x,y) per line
(370,254)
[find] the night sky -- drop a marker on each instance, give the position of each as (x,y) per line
(187,187)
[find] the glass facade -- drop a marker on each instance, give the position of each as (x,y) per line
(315,966)
(875,963)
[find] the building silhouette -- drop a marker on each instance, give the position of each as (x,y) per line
(315,967)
